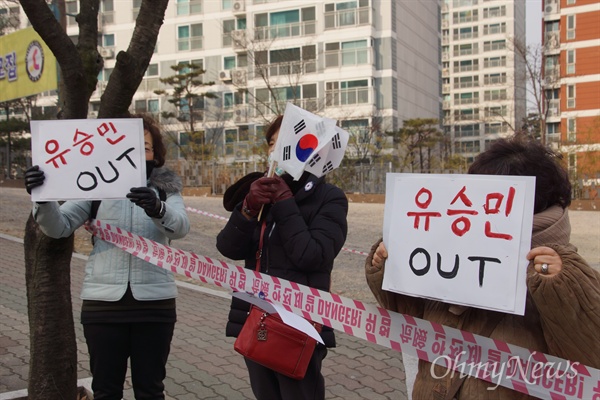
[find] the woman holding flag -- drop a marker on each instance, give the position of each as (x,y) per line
(301,225)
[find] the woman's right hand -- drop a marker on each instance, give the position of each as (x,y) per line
(34,177)
(260,194)
(379,257)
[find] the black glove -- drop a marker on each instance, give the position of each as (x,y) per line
(260,194)
(147,199)
(34,178)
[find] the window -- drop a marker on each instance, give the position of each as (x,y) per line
(347,92)
(189,7)
(571,61)
(494,45)
(494,12)
(347,13)
(358,128)
(107,12)
(570,96)
(495,128)
(466,130)
(288,21)
(228,27)
(351,53)
(466,82)
(491,95)
(229,62)
(570,2)
(472,146)
(72,8)
(152,70)
(136,8)
(571,129)
(199,63)
(189,37)
(552,128)
(495,111)
(570,27)
(494,79)
(493,29)
(149,106)
(465,16)
(108,40)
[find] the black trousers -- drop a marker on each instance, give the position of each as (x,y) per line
(270,385)
(147,344)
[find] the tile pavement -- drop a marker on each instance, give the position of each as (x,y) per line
(202,363)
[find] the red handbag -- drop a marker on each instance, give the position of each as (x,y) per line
(268,341)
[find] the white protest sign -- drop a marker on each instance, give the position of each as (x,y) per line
(302,133)
(329,157)
(460,239)
(88,159)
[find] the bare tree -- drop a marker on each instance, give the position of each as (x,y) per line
(53,358)
(532,56)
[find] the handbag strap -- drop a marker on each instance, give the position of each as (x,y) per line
(260,245)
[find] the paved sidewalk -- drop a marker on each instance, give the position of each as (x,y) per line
(202,364)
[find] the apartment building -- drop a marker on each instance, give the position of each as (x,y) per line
(571,46)
(369,64)
(483,81)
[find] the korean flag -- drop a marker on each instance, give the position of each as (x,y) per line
(302,134)
(329,157)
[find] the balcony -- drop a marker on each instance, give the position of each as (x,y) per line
(348,97)
(285,30)
(286,69)
(552,42)
(347,18)
(348,57)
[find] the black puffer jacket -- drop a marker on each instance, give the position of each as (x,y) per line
(303,236)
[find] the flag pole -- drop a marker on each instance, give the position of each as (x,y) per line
(270,174)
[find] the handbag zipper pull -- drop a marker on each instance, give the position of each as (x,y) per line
(261,334)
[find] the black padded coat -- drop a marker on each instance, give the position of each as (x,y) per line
(303,236)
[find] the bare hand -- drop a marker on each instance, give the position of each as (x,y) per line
(546,261)
(380,256)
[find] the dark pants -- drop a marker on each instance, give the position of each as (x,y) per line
(270,385)
(110,345)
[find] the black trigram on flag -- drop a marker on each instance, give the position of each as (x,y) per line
(299,127)
(327,167)
(314,160)
(286,153)
(336,141)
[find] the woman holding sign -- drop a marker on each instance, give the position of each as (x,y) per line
(562,313)
(302,227)
(128,309)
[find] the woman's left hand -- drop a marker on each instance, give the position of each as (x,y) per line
(546,261)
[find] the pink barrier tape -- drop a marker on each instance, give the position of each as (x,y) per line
(537,374)
(196,211)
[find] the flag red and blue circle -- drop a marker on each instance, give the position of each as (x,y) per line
(306,146)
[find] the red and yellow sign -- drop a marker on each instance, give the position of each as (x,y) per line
(27,66)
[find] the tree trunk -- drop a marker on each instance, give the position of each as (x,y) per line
(53,355)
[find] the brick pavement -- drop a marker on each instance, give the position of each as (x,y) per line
(202,364)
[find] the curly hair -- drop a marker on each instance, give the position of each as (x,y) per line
(524,156)
(151,125)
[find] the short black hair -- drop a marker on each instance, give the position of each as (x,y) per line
(521,155)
